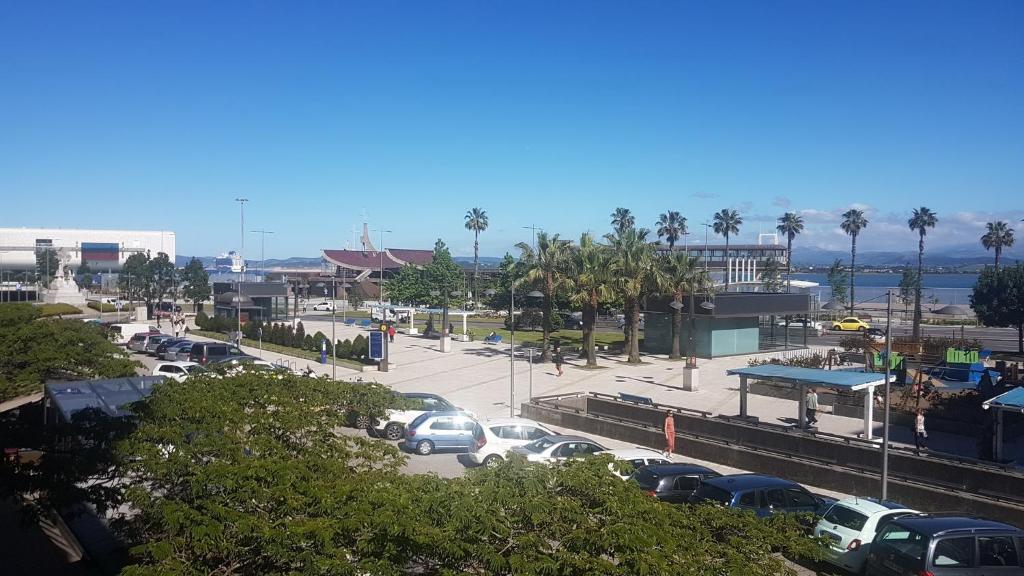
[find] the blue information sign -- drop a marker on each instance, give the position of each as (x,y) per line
(376,345)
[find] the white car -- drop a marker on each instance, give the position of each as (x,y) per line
(637,457)
(323,306)
(551,449)
(392,426)
(177,370)
(495,437)
(800,323)
(850,525)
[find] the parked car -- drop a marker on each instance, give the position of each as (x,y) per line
(875,334)
(946,545)
(154,341)
(207,352)
(672,482)
(325,306)
(162,347)
(166,309)
(138,341)
(171,353)
(494,438)
(177,370)
(850,525)
(122,333)
(184,352)
(392,426)
(239,363)
(552,449)
(800,323)
(635,458)
(765,495)
(850,324)
(440,430)
(571,320)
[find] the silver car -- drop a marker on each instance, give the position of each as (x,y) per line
(184,353)
(171,354)
(154,341)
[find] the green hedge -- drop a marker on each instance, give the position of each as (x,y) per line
(104,307)
(288,350)
(281,334)
(58,309)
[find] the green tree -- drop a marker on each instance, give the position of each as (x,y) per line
(442,275)
(921,220)
(853,222)
(46,265)
(622,219)
(135,279)
(41,350)
(356,296)
(998,235)
(908,286)
(508,273)
(771,276)
(546,268)
(634,275)
(998,299)
(671,226)
(195,284)
(409,285)
(727,223)
(589,284)
(476,221)
(837,282)
(163,275)
(85,273)
(790,225)
(681,277)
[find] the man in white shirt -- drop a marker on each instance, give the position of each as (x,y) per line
(812,407)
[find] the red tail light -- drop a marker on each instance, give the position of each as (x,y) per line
(410,433)
(202,360)
(480,442)
(652,493)
(853,545)
(924,573)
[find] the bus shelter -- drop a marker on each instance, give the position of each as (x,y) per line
(804,378)
(1012,401)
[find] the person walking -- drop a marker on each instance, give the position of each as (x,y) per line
(556,356)
(920,434)
(391,333)
(670,433)
(812,407)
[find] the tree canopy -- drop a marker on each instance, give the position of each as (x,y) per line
(998,299)
(195,283)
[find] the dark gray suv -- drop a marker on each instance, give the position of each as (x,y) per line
(946,545)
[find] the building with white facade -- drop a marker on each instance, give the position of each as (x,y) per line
(103,250)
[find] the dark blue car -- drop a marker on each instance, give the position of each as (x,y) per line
(765,495)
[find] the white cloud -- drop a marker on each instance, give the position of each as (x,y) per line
(782,202)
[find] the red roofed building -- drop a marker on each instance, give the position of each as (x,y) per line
(364,267)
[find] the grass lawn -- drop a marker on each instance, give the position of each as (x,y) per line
(58,309)
(296,352)
(566,337)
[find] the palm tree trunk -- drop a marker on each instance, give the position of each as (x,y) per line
(917,288)
(634,342)
(549,288)
(476,262)
(789,263)
(726,261)
(998,250)
(589,321)
(853,264)
(677,328)
(627,321)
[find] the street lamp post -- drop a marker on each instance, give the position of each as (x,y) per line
(241,269)
(263,238)
(380,250)
(888,371)
(334,338)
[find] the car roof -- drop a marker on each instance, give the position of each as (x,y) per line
(630,453)
(182,363)
(735,482)
(568,438)
(677,468)
(444,413)
(512,422)
(932,524)
(421,395)
(871,506)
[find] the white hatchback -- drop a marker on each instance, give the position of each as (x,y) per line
(849,527)
(177,370)
(636,457)
(495,437)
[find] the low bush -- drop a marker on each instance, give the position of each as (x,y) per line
(58,309)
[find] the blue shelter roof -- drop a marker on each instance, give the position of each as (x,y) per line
(109,396)
(1012,400)
(836,379)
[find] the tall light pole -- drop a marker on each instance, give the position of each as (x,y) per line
(241,270)
(380,250)
(263,238)
(534,228)
(888,371)
(334,338)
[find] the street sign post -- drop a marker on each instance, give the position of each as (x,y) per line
(323,351)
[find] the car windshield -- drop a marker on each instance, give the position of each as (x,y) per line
(904,540)
(538,446)
(845,517)
(713,493)
(197,369)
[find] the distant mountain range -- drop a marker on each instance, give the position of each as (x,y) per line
(313,263)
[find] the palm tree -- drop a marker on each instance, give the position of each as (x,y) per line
(999,236)
(622,219)
(920,221)
(853,222)
(476,220)
(727,223)
(590,283)
(547,268)
(681,276)
(790,224)
(672,227)
(634,275)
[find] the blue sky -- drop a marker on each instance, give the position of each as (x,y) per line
(158,114)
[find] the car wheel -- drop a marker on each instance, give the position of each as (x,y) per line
(424,447)
(861,329)
(492,460)
(393,431)
(363,422)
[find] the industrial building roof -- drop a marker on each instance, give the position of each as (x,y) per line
(1012,400)
(109,396)
(836,379)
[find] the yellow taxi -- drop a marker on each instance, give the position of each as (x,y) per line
(851,324)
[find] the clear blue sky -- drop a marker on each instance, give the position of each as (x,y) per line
(158,114)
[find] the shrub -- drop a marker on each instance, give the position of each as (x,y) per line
(58,309)
(308,343)
(345,348)
(359,344)
(300,335)
(102,307)
(202,320)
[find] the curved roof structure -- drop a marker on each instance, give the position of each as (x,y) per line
(371,260)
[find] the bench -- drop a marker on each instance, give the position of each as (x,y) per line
(365,323)
(349,321)
(496,339)
(635,399)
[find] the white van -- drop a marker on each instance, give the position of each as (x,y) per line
(122,333)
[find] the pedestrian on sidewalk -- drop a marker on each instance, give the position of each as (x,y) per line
(391,333)
(812,407)
(920,434)
(556,356)
(670,433)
